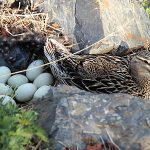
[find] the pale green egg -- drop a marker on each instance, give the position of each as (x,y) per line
(5,89)
(43,92)
(17,80)
(5,73)
(6,99)
(25,92)
(43,79)
(34,69)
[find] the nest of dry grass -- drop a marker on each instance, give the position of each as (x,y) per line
(28,25)
(18,22)
(23,25)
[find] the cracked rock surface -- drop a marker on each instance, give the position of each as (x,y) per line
(89,21)
(118,118)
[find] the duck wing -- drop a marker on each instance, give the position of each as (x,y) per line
(101,74)
(96,73)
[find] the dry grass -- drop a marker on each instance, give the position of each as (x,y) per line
(21,22)
(18,22)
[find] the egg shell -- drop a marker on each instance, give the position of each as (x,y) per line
(25,92)
(43,79)
(33,73)
(4,71)
(17,80)
(5,89)
(6,99)
(43,92)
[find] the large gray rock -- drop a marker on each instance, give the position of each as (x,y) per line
(118,118)
(46,109)
(79,19)
(89,21)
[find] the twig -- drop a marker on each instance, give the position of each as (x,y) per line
(103,143)
(61,143)
(112,140)
(38,145)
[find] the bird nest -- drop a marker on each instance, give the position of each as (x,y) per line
(23,22)
(29,27)
(23,25)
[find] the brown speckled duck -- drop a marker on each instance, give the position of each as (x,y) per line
(103,73)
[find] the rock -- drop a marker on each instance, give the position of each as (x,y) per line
(89,21)
(120,118)
(76,22)
(62,13)
(88,26)
(46,110)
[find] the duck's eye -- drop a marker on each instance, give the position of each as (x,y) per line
(145,61)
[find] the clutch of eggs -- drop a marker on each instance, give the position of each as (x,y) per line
(36,84)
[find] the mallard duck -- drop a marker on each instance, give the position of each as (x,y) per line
(102,73)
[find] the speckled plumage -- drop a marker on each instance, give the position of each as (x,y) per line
(17,52)
(101,73)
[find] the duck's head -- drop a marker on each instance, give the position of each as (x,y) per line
(140,68)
